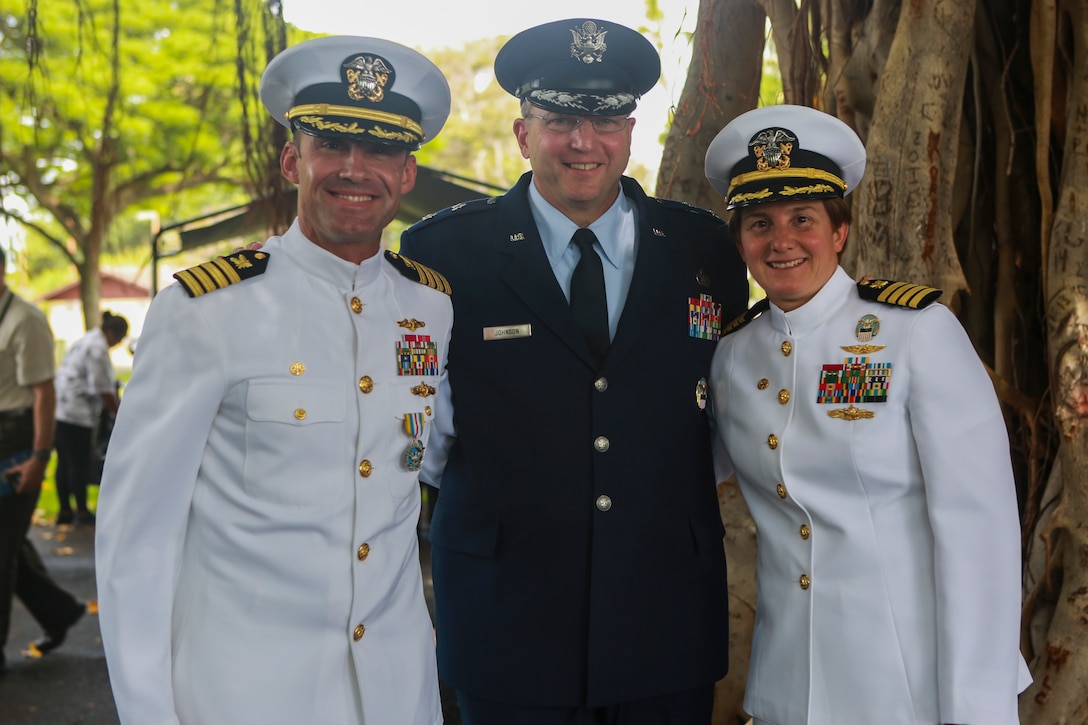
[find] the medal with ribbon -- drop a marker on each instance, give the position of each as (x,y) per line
(413,455)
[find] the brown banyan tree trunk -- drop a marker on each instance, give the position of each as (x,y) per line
(975,118)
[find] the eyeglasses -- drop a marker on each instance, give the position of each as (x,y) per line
(567,124)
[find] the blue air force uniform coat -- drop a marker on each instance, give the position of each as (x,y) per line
(256,545)
(576,545)
(871,451)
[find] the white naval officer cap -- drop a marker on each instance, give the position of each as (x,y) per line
(364,89)
(784,152)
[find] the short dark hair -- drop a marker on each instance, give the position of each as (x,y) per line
(116,324)
(838,210)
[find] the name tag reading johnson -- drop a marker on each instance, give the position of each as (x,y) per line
(505,333)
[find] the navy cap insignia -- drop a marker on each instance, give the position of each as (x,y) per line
(367,76)
(784,152)
(357,88)
(772,148)
(902,294)
(222,272)
(588,45)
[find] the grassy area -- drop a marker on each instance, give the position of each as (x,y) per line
(47,500)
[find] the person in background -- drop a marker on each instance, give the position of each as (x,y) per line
(577,556)
(27,401)
(86,387)
(871,450)
(256,549)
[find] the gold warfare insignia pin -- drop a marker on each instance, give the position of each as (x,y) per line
(412,324)
(423,390)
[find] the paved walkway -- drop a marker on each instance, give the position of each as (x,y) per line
(70,686)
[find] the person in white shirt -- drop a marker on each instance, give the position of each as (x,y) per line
(256,548)
(86,387)
(871,450)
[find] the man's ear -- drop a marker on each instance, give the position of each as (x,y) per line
(408,176)
(289,161)
(521,133)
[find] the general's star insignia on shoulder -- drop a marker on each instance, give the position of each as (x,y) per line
(418,272)
(741,320)
(903,294)
(222,271)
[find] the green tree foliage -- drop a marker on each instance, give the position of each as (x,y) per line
(477,141)
(110,105)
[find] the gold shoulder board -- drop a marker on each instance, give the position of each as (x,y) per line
(741,320)
(903,294)
(418,272)
(222,271)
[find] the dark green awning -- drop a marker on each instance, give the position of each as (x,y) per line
(434,190)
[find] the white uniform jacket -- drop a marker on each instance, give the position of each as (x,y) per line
(888,534)
(256,542)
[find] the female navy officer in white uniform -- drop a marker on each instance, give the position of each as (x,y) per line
(871,450)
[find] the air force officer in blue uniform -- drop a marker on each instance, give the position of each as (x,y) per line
(577,547)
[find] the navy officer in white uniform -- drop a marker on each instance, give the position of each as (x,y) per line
(871,450)
(256,550)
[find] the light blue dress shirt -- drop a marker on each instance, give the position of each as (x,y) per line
(617,244)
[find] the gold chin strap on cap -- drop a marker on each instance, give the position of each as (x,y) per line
(793,173)
(366,114)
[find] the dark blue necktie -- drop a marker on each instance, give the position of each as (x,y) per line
(587,298)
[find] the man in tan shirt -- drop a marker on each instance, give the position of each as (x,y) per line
(27,401)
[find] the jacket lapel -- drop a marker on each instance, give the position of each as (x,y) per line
(650,283)
(527,272)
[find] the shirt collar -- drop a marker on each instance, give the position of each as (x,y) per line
(817,310)
(326,265)
(556,229)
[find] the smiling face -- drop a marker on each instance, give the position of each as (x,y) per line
(791,248)
(348,191)
(577,172)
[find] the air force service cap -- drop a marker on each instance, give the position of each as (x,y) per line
(364,89)
(784,152)
(579,66)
